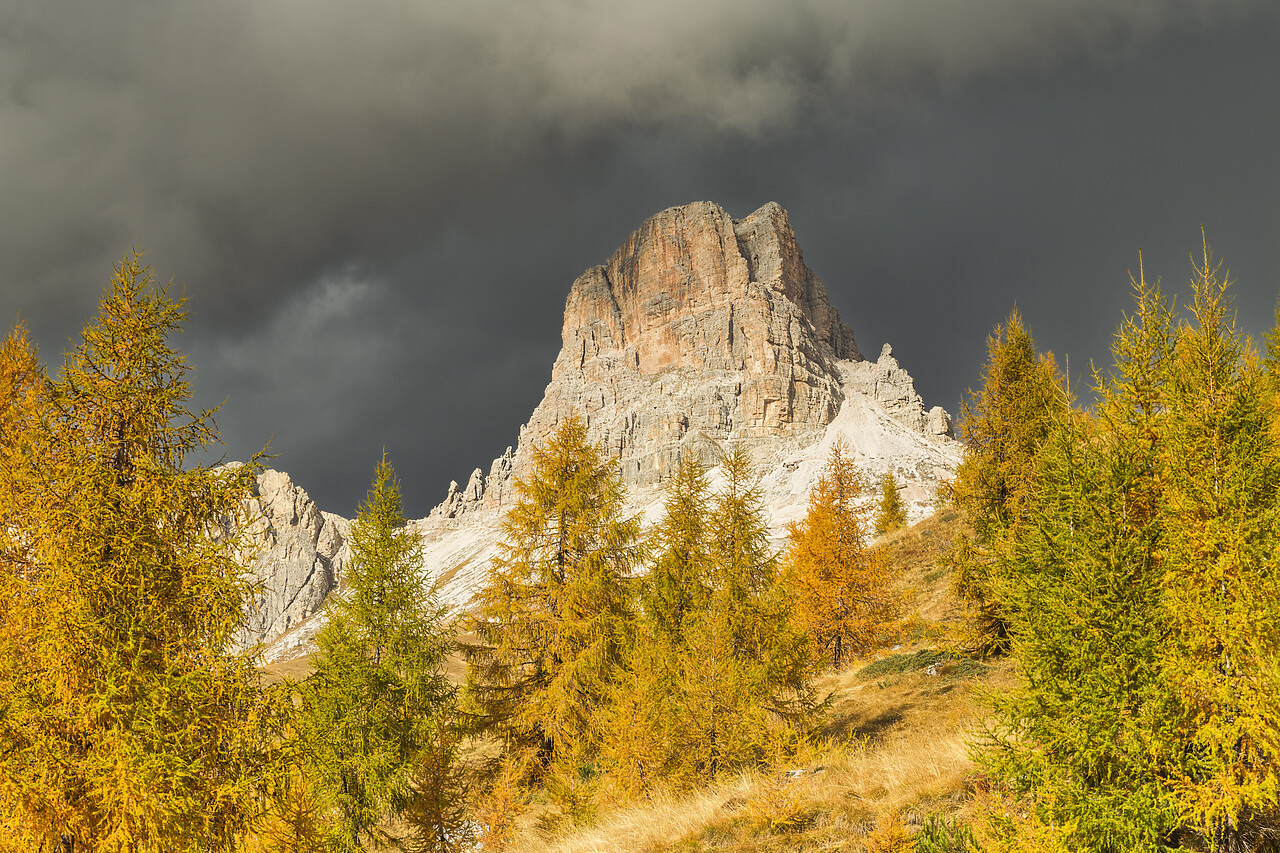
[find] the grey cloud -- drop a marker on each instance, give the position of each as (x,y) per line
(271,125)
(376,208)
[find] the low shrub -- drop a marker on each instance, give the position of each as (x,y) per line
(945,835)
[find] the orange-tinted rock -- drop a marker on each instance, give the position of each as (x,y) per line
(700,330)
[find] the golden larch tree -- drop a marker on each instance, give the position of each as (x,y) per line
(555,617)
(839,585)
(126,724)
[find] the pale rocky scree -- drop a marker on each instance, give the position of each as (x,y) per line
(699,332)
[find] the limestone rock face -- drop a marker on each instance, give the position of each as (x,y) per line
(884,381)
(939,423)
(300,552)
(700,330)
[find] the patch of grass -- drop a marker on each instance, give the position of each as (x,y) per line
(905,662)
(934,575)
(949,664)
(853,804)
(941,834)
(916,556)
(296,669)
(967,668)
(890,758)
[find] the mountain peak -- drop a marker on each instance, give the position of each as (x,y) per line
(692,266)
(700,332)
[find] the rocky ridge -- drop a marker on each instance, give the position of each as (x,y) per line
(700,331)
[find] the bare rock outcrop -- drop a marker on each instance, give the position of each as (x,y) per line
(299,555)
(884,381)
(699,331)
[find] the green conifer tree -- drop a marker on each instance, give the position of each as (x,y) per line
(744,567)
(1143,600)
(678,585)
(377,721)
(1003,426)
(643,741)
(555,617)
(891,514)
(125,722)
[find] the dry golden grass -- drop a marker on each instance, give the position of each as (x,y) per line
(296,669)
(914,553)
(853,801)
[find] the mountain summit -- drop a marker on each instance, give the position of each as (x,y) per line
(701,331)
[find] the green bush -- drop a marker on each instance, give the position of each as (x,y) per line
(906,662)
(913,661)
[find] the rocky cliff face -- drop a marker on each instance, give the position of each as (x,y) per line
(884,381)
(699,332)
(299,554)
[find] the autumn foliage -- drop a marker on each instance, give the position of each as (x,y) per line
(555,617)
(838,585)
(1134,567)
(717,674)
(1022,397)
(1123,555)
(126,723)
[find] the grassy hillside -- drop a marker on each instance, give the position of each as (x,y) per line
(892,752)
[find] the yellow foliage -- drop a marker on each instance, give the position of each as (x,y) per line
(500,807)
(292,821)
(124,723)
(839,586)
(778,807)
(890,836)
(555,616)
(1005,823)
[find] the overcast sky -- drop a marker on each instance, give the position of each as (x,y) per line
(376,209)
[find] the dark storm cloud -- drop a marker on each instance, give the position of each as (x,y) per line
(376,209)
